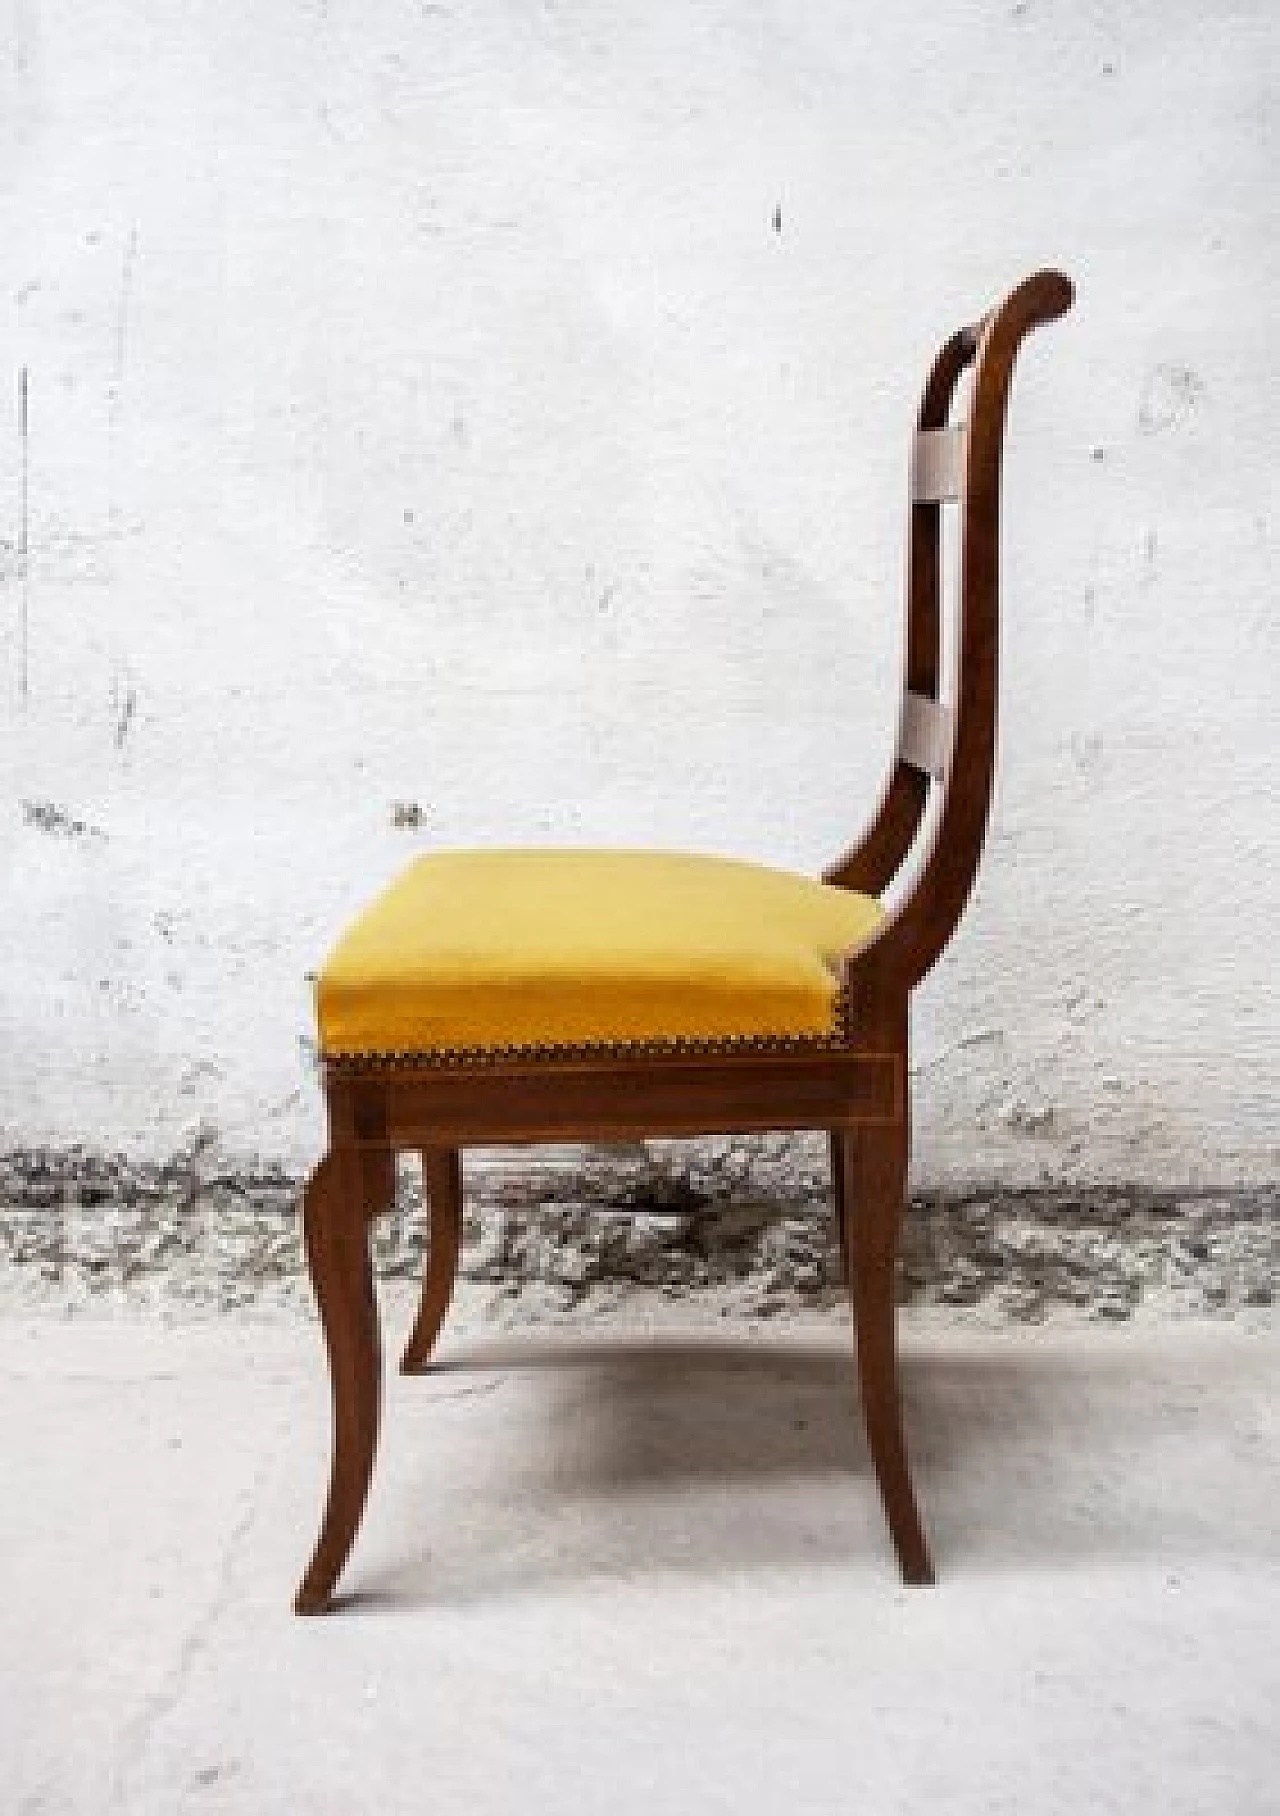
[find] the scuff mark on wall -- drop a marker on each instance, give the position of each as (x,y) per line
(1170,395)
(47,816)
(124,704)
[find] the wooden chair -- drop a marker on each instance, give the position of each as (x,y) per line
(548,996)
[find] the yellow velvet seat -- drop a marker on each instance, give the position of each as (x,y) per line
(479,951)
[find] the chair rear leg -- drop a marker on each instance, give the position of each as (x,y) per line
(442,1182)
(837,1201)
(345,1192)
(874,1171)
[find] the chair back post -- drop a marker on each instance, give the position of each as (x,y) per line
(948,746)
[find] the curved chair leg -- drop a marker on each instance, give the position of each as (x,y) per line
(442,1182)
(874,1169)
(345,1192)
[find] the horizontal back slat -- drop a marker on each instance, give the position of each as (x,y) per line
(937,464)
(924,736)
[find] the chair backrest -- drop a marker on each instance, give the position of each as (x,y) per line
(949,744)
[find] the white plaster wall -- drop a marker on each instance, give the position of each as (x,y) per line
(424,408)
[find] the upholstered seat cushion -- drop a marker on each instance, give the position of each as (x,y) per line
(478,950)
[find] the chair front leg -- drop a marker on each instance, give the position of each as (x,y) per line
(346,1191)
(873,1166)
(442,1187)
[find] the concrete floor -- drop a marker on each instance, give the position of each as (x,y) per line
(626,1570)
